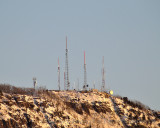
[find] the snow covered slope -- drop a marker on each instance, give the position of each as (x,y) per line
(72,109)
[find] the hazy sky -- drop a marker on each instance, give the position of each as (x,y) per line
(126,33)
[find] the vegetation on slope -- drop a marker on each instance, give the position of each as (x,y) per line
(21,107)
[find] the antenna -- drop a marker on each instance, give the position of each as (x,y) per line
(34,82)
(85,74)
(59,75)
(67,83)
(103,76)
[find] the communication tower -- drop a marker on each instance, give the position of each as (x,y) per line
(67,83)
(34,82)
(85,74)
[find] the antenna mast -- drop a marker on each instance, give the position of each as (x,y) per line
(85,73)
(59,75)
(103,76)
(67,83)
(34,82)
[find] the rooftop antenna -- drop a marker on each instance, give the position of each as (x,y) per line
(67,83)
(85,74)
(103,76)
(59,75)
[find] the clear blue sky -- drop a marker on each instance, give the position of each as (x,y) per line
(126,33)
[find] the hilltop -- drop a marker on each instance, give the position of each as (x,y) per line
(73,109)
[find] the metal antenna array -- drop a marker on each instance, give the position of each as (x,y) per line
(85,74)
(103,75)
(34,82)
(58,75)
(67,83)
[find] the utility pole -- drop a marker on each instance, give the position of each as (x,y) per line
(59,75)
(85,74)
(103,76)
(67,83)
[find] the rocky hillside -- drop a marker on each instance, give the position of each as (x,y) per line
(72,109)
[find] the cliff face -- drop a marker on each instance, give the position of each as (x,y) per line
(68,109)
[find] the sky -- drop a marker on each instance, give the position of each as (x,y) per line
(126,33)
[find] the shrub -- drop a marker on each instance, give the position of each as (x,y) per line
(85,107)
(38,110)
(118,96)
(29,121)
(75,106)
(156,115)
(16,90)
(31,106)
(58,113)
(135,104)
(102,107)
